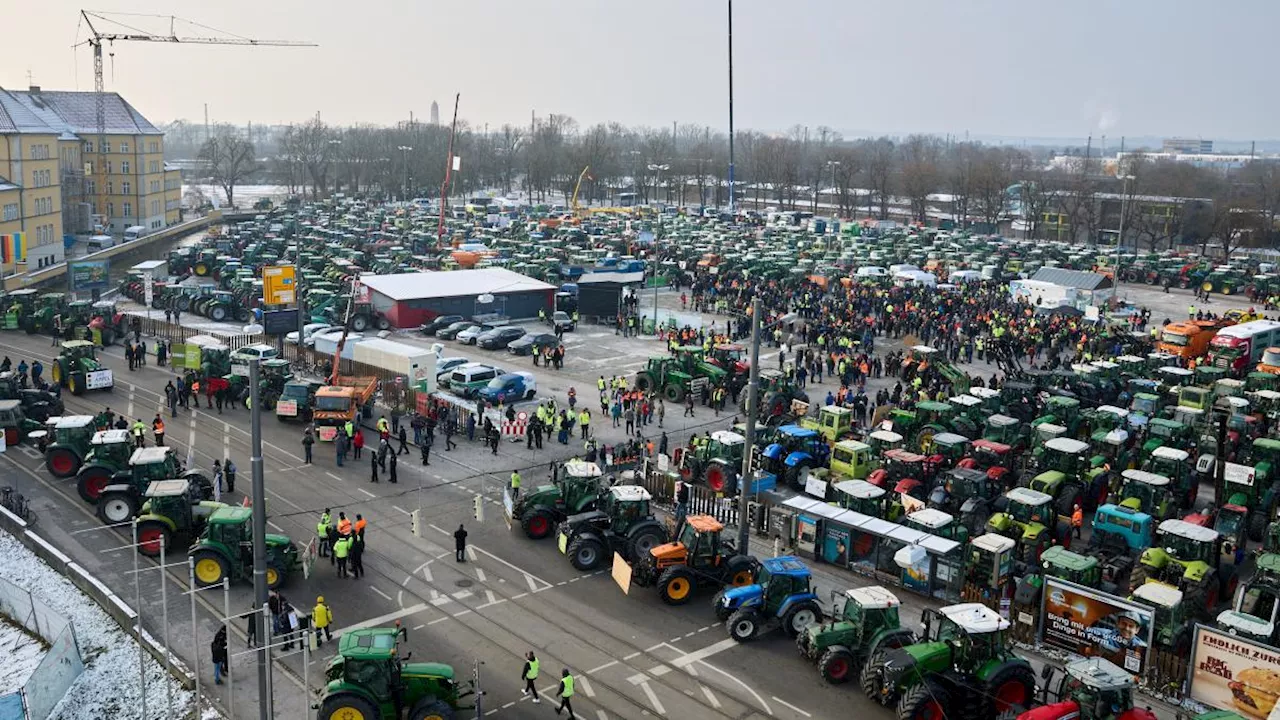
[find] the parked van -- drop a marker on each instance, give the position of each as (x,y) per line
(99,242)
(467,380)
(964,276)
(915,278)
(134,232)
(871,272)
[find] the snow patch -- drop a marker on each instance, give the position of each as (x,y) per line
(22,654)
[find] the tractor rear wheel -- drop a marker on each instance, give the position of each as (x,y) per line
(91,481)
(800,617)
(383,323)
(210,568)
(676,585)
(924,703)
(431,709)
(117,507)
(218,313)
(586,553)
(1012,688)
(837,666)
(150,535)
(744,625)
(1258,525)
(359,323)
(718,478)
(537,524)
(62,462)
(738,571)
(347,706)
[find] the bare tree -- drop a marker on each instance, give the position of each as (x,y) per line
(992,176)
(880,163)
(921,172)
(229,160)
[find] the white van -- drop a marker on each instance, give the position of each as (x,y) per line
(901,268)
(964,276)
(915,278)
(871,272)
(135,232)
(99,242)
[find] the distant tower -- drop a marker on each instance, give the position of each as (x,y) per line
(435,113)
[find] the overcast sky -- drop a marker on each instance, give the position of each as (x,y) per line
(1045,68)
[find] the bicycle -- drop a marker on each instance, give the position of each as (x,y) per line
(14,502)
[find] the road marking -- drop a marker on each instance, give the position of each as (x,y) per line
(789,706)
(462,595)
(440,620)
(335,477)
(711,697)
(441,600)
(418,627)
(375,589)
(405,583)
(653,697)
(586,687)
(605,666)
(383,619)
(284,499)
(406,512)
(704,653)
(426,572)
(440,530)
(277,527)
(517,597)
(601,715)
(528,576)
(659,671)
(366,492)
(491,597)
(480,574)
(471,555)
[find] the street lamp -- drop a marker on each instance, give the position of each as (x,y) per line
(404,158)
(1124,196)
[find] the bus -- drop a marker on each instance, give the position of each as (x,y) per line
(1189,339)
(1239,348)
(626,199)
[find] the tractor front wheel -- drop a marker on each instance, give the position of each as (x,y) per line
(744,625)
(210,568)
(75,383)
(151,533)
(117,507)
(800,617)
(837,666)
(586,553)
(676,584)
(717,604)
(924,703)
(275,576)
(431,709)
(347,706)
(644,382)
(91,481)
(673,393)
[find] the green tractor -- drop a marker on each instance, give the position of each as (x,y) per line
(1147,492)
(39,317)
(1055,562)
(1252,486)
(961,669)
(1163,432)
(77,368)
(834,423)
(865,623)
(72,441)
(224,549)
(622,523)
(1175,464)
(711,460)
(678,376)
(1254,612)
(122,499)
(369,680)
(1065,412)
(776,393)
(1174,620)
(1028,518)
(1069,476)
(20,304)
(1188,557)
(297,400)
(935,418)
(575,488)
(172,508)
(109,453)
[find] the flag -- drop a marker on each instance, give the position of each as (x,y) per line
(6,255)
(19,251)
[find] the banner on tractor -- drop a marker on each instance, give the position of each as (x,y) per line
(1231,673)
(1095,624)
(622,573)
(90,275)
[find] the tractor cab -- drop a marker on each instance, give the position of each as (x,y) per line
(14,423)
(989,561)
(1123,528)
(1254,612)
(968,406)
(968,493)
(1066,455)
(1042,434)
(1108,417)
(369,678)
(1144,407)
(1147,492)
(1060,562)
(882,441)
(994,458)
(1186,555)
(1064,411)
(1091,689)
(988,398)
(949,448)
(1172,621)
(1003,429)
(154,463)
(1163,432)
(937,522)
(795,451)
(833,422)
(903,472)
(72,438)
(225,549)
(1029,519)
(851,459)
(863,497)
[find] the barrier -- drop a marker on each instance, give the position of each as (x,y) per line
(62,662)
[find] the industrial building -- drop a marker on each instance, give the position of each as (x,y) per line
(410,299)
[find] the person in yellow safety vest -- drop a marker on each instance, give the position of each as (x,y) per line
(322,619)
(340,550)
(1191,313)
(600,384)
(139,433)
(530,674)
(515,484)
(349,429)
(542,315)
(566,693)
(584,421)
(322,533)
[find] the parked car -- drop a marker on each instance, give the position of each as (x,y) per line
(308,331)
(532,343)
(498,338)
(259,351)
(439,323)
(561,320)
(471,335)
(451,332)
(509,388)
(467,380)
(445,366)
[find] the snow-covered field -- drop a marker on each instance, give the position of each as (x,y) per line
(109,686)
(22,654)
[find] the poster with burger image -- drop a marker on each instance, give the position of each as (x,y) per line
(1231,673)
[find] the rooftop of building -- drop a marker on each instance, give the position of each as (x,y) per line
(69,114)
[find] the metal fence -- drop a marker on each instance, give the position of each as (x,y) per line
(61,665)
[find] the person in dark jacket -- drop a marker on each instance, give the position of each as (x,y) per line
(357,556)
(460,543)
(404,442)
(218,653)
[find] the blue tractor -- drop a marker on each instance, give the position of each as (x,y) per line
(794,451)
(782,596)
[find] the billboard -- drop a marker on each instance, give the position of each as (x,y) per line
(279,322)
(90,275)
(278,286)
(1231,673)
(1094,624)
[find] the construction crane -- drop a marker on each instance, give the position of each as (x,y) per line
(573,205)
(96,41)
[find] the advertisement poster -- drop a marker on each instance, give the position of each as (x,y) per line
(835,544)
(806,533)
(863,549)
(1231,673)
(1093,624)
(90,275)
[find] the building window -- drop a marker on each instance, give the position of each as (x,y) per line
(126,187)
(128,209)
(88,146)
(111,167)
(124,146)
(111,187)
(124,167)
(91,188)
(154,147)
(155,207)
(155,186)
(111,210)
(154,166)
(11,212)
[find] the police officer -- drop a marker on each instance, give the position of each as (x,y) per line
(529,674)
(322,532)
(566,693)
(341,549)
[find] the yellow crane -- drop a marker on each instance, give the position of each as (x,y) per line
(577,209)
(96,40)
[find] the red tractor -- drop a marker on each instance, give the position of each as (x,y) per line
(996,459)
(1092,689)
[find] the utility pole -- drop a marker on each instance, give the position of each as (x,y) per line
(731,197)
(448,171)
(753,399)
(265,701)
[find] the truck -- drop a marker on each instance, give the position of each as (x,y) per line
(415,363)
(1189,339)
(344,401)
(1239,348)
